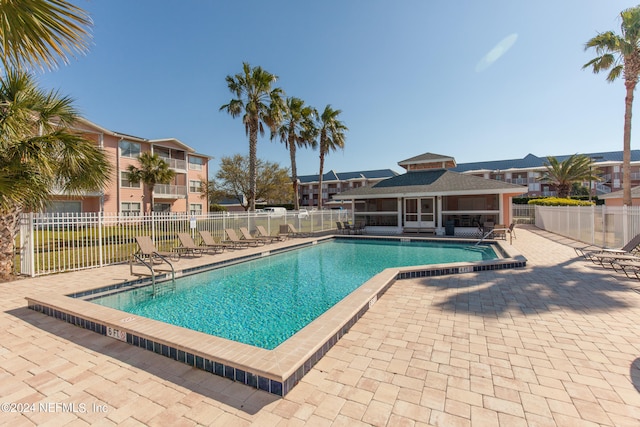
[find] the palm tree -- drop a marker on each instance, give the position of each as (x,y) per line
(297,130)
(576,168)
(153,170)
(621,55)
(39,153)
(331,138)
(260,105)
(41,33)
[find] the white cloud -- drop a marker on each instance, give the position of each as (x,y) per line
(494,54)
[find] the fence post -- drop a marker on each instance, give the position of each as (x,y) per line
(625,225)
(593,223)
(27,250)
(100,246)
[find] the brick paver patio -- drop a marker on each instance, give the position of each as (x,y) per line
(554,344)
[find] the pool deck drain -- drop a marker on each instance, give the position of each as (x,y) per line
(276,371)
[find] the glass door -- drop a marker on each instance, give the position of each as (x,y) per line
(411,213)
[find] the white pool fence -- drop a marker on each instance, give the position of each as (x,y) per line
(54,243)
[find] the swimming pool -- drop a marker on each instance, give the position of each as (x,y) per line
(275,371)
(265,301)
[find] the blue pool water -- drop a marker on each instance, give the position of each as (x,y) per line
(265,301)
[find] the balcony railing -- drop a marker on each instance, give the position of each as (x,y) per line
(170,191)
(175,163)
(518,181)
(59,191)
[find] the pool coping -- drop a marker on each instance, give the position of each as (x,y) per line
(276,371)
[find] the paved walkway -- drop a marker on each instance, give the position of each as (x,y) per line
(554,344)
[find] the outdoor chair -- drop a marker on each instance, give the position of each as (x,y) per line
(601,256)
(341,229)
(348,228)
(487,227)
(147,249)
(233,238)
(188,246)
(292,231)
(630,268)
(500,231)
(209,241)
(263,233)
(246,235)
(358,227)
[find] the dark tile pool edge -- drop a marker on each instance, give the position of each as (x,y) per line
(311,361)
(190,358)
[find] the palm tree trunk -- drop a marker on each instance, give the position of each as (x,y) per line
(626,154)
(294,172)
(253,165)
(320,179)
(151,187)
(8,231)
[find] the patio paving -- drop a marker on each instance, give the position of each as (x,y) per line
(554,344)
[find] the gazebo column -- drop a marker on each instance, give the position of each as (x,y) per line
(399,215)
(439,226)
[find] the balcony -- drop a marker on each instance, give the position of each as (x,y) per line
(175,163)
(59,191)
(518,181)
(170,191)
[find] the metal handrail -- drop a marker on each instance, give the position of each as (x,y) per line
(141,259)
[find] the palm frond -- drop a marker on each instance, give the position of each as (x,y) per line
(42,33)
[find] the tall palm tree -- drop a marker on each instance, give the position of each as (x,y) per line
(297,130)
(332,137)
(621,55)
(153,170)
(576,168)
(259,104)
(41,33)
(39,153)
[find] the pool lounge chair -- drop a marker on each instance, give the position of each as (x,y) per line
(630,268)
(602,256)
(209,241)
(263,233)
(188,246)
(246,235)
(293,232)
(147,249)
(233,238)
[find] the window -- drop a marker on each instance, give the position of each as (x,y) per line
(64,207)
(129,149)
(195,163)
(162,207)
(195,209)
(194,186)
(124,181)
(130,208)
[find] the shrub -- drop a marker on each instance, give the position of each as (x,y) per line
(557,201)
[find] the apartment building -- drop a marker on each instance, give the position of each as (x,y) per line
(528,170)
(336,182)
(119,195)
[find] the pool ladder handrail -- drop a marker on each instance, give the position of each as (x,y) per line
(141,259)
(490,232)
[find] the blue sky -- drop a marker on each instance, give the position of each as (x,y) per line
(476,80)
